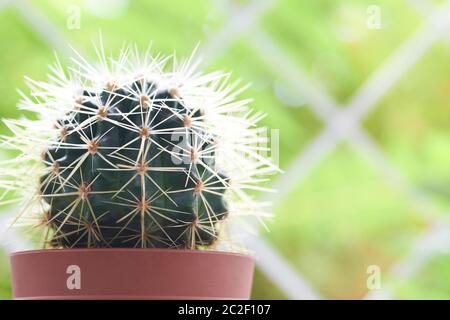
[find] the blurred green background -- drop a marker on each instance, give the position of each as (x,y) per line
(351,208)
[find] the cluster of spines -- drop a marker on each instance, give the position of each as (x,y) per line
(137,162)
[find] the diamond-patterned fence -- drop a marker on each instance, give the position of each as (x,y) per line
(341,123)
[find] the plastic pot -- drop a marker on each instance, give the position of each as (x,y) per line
(130,274)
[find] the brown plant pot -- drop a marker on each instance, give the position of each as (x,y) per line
(130,274)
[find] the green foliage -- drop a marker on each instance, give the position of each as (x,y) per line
(5,283)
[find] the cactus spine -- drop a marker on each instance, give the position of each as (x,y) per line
(127,154)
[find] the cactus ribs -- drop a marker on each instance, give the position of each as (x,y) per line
(133,167)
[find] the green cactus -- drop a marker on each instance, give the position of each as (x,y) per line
(134,160)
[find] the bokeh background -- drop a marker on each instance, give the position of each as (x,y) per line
(360,93)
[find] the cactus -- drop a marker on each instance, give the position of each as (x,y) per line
(128,154)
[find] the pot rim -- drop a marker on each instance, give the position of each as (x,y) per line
(161,250)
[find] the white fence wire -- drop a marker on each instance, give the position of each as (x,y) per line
(341,124)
